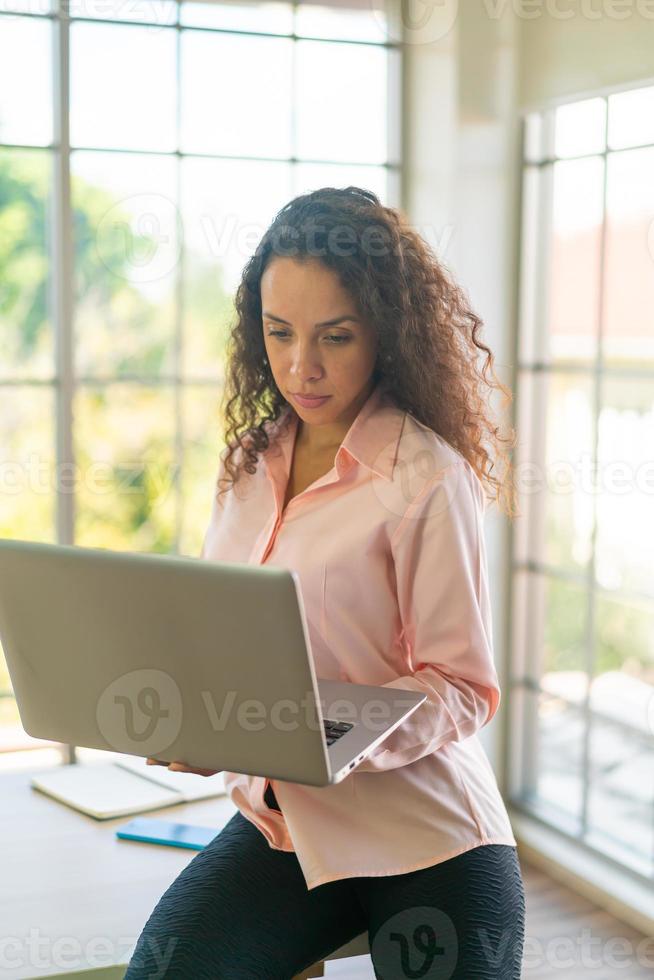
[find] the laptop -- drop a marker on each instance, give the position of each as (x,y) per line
(178,658)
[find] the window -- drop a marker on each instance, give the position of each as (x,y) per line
(582,686)
(129,201)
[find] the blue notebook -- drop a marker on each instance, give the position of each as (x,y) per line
(156,831)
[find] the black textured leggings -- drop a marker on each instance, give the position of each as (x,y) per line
(240,910)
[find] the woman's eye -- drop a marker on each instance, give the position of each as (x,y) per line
(334,337)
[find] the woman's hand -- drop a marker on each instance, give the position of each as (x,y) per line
(182,767)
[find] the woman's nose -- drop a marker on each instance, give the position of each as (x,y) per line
(306,365)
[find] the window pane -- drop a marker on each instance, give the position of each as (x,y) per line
(554,625)
(27,6)
(574,275)
(219,116)
(202,445)
(124,446)
(631,118)
(569,453)
(270,18)
(625,642)
(137,110)
(579,128)
(624,556)
(159,12)
(621,800)
(5,683)
(355,22)
(127,244)
(341,115)
(522,629)
(311,176)
(27,463)
(561,252)
(563,665)
(26,337)
(13,736)
(227,206)
(555,779)
(551,626)
(555,473)
(25,81)
(10,726)
(629,284)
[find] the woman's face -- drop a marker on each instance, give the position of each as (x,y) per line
(306,354)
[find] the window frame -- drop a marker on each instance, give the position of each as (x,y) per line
(528,577)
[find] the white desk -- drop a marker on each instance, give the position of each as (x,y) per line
(73,897)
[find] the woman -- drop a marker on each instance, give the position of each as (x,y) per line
(373,493)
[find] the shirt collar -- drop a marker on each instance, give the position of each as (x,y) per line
(371,440)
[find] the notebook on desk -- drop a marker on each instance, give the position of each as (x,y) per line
(129,785)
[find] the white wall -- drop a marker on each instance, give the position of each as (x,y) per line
(606,45)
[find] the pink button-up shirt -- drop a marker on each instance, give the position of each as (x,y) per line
(389,549)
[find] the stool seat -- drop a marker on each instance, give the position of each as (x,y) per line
(359,946)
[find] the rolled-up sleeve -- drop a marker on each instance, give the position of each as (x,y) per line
(442,590)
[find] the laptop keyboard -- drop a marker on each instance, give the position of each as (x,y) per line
(335,729)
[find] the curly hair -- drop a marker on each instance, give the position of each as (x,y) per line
(426,331)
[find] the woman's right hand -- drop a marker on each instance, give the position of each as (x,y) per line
(182,767)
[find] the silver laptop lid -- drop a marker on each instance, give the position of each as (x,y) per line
(163,656)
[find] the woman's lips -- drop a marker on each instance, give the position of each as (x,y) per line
(311,402)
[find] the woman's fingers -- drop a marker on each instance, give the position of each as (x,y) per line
(177,766)
(182,767)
